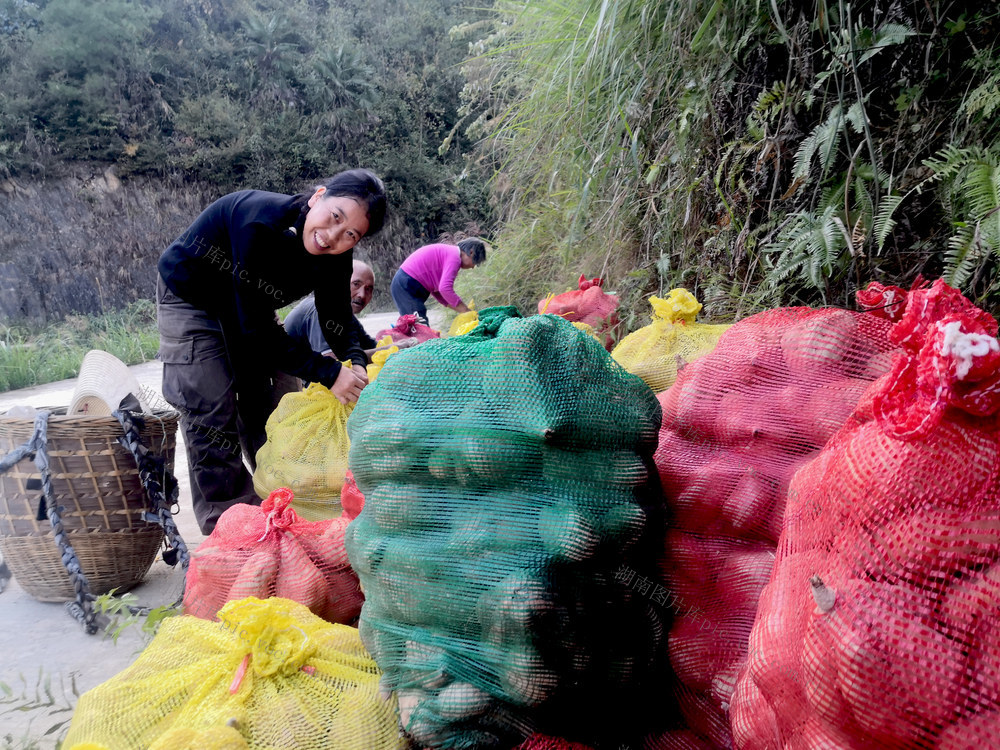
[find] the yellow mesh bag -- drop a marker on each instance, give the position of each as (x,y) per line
(306,451)
(463,323)
(269,674)
(654,352)
(385,350)
(589,330)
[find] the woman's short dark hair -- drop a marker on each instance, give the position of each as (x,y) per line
(475,249)
(364,187)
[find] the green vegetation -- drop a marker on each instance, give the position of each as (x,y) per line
(758,154)
(124,611)
(34,356)
(49,708)
(125,112)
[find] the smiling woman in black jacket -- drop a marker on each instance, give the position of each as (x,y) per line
(247,255)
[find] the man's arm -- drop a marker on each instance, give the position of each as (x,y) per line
(333,307)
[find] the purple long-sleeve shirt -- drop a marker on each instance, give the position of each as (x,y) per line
(435,267)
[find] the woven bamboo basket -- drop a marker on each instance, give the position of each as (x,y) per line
(97,483)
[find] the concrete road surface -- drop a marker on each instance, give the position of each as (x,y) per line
(40,643)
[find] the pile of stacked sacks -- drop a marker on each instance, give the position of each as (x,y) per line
(518,483)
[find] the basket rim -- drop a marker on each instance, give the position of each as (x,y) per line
(48,533)
(59,415)
(78,426)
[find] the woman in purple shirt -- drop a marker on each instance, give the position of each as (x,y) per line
(432,269)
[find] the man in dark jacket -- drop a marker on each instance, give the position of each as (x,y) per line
(302,322)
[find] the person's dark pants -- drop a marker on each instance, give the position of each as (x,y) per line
(198,381)
(409,295)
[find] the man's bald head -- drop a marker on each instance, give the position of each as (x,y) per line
(362,286)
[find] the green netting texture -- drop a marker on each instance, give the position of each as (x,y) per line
(508,479)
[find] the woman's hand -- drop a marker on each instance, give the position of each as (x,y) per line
(348,385)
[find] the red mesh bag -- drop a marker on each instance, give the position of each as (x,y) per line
(588,304)
(880,625)
(737,424)
(268,551)
(887,302)
(352,500)
(408,327)
(681,739)
(544,742)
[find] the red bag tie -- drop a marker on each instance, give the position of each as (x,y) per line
(951,358)
(279,514)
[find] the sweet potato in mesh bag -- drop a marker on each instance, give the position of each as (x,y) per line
(408,327)
(879,625)
(509,487)
(588,304)
(269,551)
(737,424)
(673,338)
(306,451)
(269,674)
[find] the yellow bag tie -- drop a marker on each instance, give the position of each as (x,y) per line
(385,350)
(464,323)
(679,306)
(672,339)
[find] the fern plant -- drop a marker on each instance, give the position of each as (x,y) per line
(810,248)
(971,185)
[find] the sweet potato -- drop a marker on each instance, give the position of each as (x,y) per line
(461,700)
(705,645)
(772,663)
(566,533)
(930,542)
(978,731)
(525,679)
(211,576)
(742,574)
(512,608)
(395,505)
(299,579)
(816,734)
(753,722)
(256,577)
(501,456)
(819,343)
(698,507)
(819,672)
(749,505)
(622,524)
(886,648)
(705,719)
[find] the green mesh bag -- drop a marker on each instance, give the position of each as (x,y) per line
(508,482)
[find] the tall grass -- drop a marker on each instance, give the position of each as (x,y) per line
(590,137)
(756,153)
(33,356)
